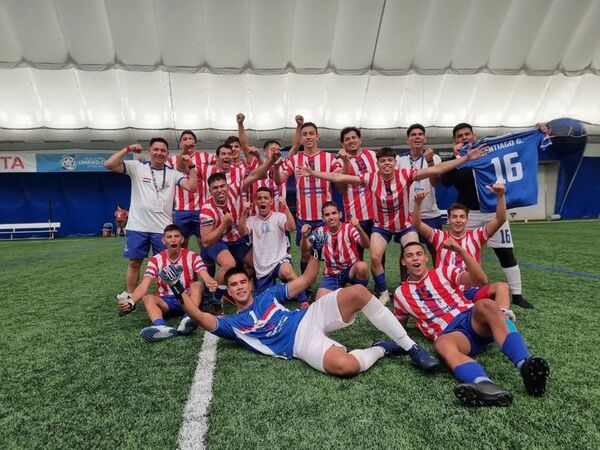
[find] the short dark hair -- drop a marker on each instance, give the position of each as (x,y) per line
(329,204)
(159,139)
(309,124)
(415,126)
(190,132)
(385,152)
(270,142)
(222,146)
(460,126)
(172,227)
(216,177)
(347,130)
(264,189)
(231,139)
(234,271)
(458,206)
(410,244)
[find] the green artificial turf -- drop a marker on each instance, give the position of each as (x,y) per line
(75,375)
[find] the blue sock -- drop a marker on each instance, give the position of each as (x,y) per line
(380,283)
(514,348)
(159,322)
(470,372)
(361,282)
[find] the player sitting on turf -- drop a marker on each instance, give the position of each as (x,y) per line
(264,325)
(472,240)
(270,253)
(165,305)
(342,261)
(460,328)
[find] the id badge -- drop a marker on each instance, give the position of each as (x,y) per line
(158,205)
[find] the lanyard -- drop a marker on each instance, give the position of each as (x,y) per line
(154,180)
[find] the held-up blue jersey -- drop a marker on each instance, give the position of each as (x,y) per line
(266,326)
(512,159)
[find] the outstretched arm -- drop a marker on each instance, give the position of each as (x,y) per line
(494,225)
(329,176)
(297,136)
(446,166)
(191,182)
(261,171)
(309,276)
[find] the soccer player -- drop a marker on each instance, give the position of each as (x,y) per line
(419,157)
(151,208)
(165,305)
(264,325)
(390,187)
(342,261)
(121,220)
(311,193)
(460,328)
(270,252)
(501,242)
(471,240)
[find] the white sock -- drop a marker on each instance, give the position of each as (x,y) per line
(368,356)
(384,320)
(513,278)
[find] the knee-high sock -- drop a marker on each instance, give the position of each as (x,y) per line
(514,348)
(384,320)
(470,372)
(380,283)
(367,356)
(513,278)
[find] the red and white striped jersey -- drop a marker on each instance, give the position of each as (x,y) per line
(185,200)
(358,201)
(471,240)
(212,214)
(433,301)
(340,252)
(190,261)
(279,192)
(311,192)
(246,169)
(390,199)
(235,177)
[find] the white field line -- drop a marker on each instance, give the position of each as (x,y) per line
(195,418)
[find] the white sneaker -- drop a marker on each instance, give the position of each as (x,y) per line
(123,296)
(157,333)
(384,297)
(186,326)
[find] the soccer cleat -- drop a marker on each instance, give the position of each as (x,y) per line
(390,348)
(186,326)
(157,333)
(535,373)
(517,299)
(384,298)
(482,394)
(421,358)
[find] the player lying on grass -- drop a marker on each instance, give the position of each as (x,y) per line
(264,325)
(460,328)
(342,262)
(472,240)
(165,305)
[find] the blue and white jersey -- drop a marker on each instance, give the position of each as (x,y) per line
(512,159)
(266,326)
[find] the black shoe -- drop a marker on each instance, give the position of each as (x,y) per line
(517,299)
(422,359)
(390,348)
(482,394)
(535,373)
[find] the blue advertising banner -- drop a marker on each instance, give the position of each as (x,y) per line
(72,162)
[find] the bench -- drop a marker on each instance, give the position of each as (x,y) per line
(30,228)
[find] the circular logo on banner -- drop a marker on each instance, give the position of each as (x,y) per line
(68,162)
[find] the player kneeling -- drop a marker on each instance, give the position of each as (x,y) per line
(461,329)
(165,305)
(264,325)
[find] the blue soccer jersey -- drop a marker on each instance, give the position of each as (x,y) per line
(266,326)
(512,159)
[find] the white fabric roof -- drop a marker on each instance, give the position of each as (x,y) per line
(122,70)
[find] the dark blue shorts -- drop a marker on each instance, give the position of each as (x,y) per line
(335,282)
(477,293)
(388,235)
(137,244)
(299,222)
(188,221)
(462,324)
(263,283)
(238,249)
(367,226)
(175,309)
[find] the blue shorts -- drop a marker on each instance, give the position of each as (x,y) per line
(367,226)
(137,244)
(188,221)
(388,235)
(476,293)
(436,223)
(175,309)
(462,324)
(299,222)
(335,282)
(263,283)
(238,249)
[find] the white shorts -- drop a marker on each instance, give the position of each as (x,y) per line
(311,341)
(501,239)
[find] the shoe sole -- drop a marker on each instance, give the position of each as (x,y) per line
(152,336)
(470,396)
(187,330)
(535,376)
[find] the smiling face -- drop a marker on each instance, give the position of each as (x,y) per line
(351,142)
(415,260)
(331,216)
(309,138)
(457,219)
(386,165)
(158,154)
(239,288)
(173,239)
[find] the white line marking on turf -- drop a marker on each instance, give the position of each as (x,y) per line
(194,427)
